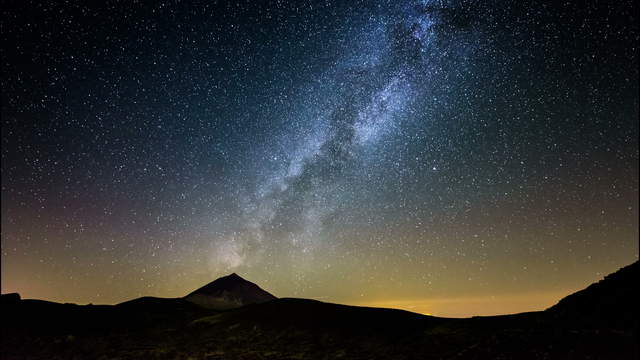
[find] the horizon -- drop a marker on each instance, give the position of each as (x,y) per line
(474,306)
(451,157)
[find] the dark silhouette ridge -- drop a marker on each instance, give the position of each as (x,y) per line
(606,302)
(229,292)
(10,298)
(599,322)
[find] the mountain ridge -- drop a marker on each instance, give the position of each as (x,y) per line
(598,322)
(229,292)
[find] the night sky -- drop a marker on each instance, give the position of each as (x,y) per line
(453,158)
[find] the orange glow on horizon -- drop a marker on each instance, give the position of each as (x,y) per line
(472,305)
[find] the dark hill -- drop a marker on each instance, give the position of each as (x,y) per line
(46,317)
(229,292)
(10,298)
(291,313)
(612,302)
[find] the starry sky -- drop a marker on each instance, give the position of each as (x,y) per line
(453,158)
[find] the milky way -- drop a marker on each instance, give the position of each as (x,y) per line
(452,157)
(364,97)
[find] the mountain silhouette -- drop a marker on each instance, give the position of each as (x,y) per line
(229,292)
(605,303)
(232,318)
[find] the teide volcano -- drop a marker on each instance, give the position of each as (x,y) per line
(229,292)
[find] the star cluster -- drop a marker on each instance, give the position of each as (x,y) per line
(447,157)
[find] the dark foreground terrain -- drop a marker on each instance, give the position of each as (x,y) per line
(599,322)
